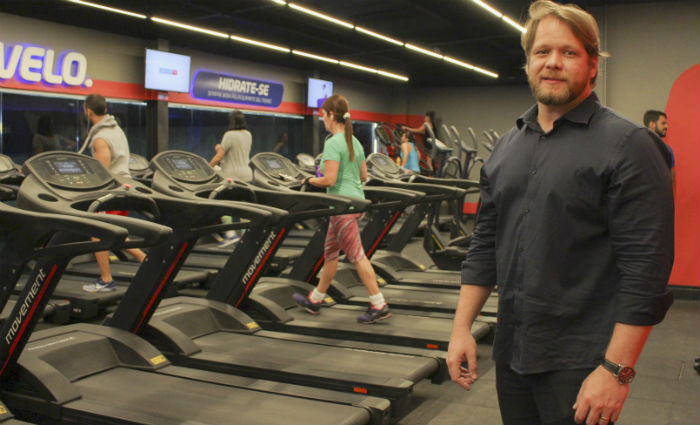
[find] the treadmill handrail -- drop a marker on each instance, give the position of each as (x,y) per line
(323,204)
(433,192)
(108,235)
(461,183)
(390,198)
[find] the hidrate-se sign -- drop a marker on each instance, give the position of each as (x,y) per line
(35,64)
(232,88)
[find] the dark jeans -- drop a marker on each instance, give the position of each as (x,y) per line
(542,398)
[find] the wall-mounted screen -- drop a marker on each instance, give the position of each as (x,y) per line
(319,90)
(167,71)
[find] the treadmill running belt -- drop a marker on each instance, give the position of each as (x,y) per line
(265,352)
(152,398)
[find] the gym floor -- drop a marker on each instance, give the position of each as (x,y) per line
(665,391)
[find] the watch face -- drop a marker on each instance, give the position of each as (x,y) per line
(626,375)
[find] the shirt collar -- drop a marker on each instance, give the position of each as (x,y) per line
(581,114)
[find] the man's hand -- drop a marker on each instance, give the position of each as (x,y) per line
(460,353)
(600,398)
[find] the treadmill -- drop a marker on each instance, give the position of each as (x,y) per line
(124,379)
(271,302)
(226,339)
(347,287)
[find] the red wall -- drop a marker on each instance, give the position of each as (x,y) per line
(683,109)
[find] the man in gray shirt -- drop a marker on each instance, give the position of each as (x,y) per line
(108,145)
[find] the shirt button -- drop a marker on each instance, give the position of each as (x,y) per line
(525,211)
(533,171)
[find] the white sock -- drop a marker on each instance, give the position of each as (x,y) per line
(316,296)
(377,300)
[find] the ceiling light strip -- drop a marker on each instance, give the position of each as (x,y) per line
(500,15)
(280,2)
(317,57)
(390,75)
(189,27)
(379,36)
(247,40)
(485,72)
(356,66)
(398,42)
(260,43)
(109,9)
(321,15)
(459,62)
(424,51)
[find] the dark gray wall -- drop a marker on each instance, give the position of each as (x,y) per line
(651,45)
(118,58)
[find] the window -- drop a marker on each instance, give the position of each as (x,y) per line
(31,123)
(198,130)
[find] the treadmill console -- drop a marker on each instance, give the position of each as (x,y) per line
(185,167)
(9,171)
(70,171)
(6,165)
(277,167)
(383,166)
(138,165)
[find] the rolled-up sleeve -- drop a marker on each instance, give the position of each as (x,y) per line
(641,213)
(479,268)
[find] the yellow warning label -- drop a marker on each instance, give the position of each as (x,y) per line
(3,411)
(252,325)
(328,300)
(158,359)
(381,280)
(422,267)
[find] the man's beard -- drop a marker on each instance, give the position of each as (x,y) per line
(660,133)
(550,98)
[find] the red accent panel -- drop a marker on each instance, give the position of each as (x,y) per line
(132,91)
(29,315)
(160,286)
(390,223)
(318,265)
(260,266)
(470,208)
(105,88)
(683,109)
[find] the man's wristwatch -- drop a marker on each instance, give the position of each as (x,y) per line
(624,374)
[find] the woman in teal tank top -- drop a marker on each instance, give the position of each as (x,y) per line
(409,156)
(344,170)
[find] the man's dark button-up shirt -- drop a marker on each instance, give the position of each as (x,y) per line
(576,228)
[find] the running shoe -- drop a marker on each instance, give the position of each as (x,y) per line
(373,314)
(99,286)
(308,305)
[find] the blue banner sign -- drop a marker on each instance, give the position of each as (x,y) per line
(231,88)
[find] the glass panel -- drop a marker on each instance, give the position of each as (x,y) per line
(131,117)
(362,130)
(33,123)
(198,130)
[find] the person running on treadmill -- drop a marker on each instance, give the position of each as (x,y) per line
(429,120)
(344,169)
(233,154)
(108,145)
(409,156)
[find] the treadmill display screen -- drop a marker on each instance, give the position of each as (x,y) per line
(5,164)
(380,160)
(182,164)
(65,167)
(273,163)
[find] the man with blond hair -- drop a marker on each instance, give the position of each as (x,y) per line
(576,228)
